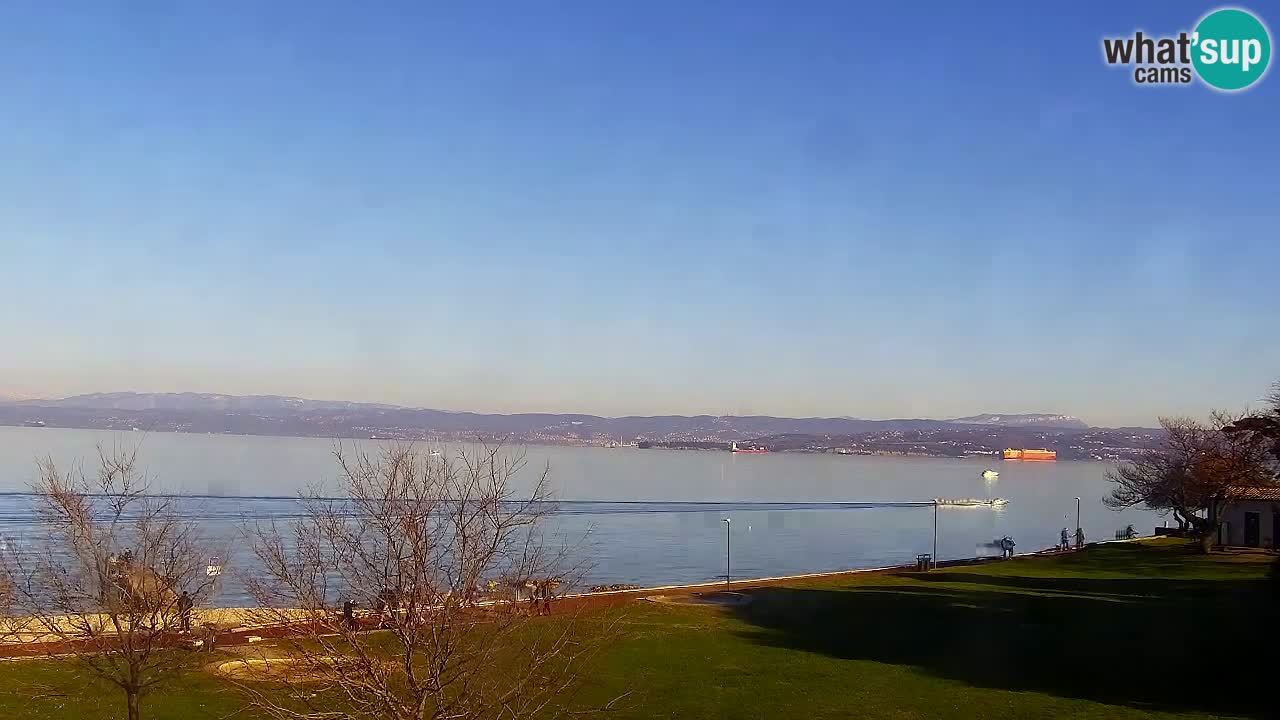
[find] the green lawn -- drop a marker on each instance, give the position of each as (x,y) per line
(54,690)
(1127,631)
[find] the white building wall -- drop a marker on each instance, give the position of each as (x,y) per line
(1233,529)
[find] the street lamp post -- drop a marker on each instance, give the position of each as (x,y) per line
(726,551)
(934,562)
(1077,522)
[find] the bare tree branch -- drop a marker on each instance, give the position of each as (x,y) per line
(416,594)
(102,579)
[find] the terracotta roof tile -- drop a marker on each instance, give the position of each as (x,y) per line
(1258,493)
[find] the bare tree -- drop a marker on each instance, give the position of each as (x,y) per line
(415,593)
(100,580)
(1199,470)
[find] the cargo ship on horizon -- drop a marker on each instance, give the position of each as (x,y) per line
(733,447)
(1015,454)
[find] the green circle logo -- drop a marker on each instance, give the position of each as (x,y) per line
(1231,49)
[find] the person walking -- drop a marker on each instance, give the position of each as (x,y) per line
(184,611)
(547,587)
(387,607)
(1065,543)
(1079,538)
(349,614)
(1006,547)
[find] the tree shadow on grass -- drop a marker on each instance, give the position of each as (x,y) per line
(1164,644)
(1106,589)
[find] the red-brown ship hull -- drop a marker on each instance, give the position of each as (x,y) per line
(1043,455)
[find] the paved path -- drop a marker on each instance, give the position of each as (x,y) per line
(565,604)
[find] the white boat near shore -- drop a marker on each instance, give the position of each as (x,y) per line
(970,502)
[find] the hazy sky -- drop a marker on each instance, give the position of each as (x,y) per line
(902,209)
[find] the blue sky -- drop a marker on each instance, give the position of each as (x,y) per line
(915,209)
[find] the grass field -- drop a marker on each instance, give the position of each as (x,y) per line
(1120,631)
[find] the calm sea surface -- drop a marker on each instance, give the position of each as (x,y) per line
(644,516)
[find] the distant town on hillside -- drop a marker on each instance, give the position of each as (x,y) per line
(977,435)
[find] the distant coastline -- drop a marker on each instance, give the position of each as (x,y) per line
(982,436)
(993,456)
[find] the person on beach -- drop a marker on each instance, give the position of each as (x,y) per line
(184,611)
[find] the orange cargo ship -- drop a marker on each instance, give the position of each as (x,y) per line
(1011,454)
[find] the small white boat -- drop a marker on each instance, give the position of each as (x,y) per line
(970,502)
(990,474)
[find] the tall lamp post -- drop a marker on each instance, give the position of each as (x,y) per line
(1077,522)
(726,551)
(934,563)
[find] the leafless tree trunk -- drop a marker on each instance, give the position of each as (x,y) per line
(446,564)
(101,580)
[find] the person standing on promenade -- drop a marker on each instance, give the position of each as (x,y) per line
(349,614)
(1006,547)
(184,611)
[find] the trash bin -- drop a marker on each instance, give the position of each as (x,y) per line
(924,562)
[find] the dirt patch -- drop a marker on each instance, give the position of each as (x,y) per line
(269,670)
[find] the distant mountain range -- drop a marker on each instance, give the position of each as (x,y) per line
(983,435)
(198,410)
